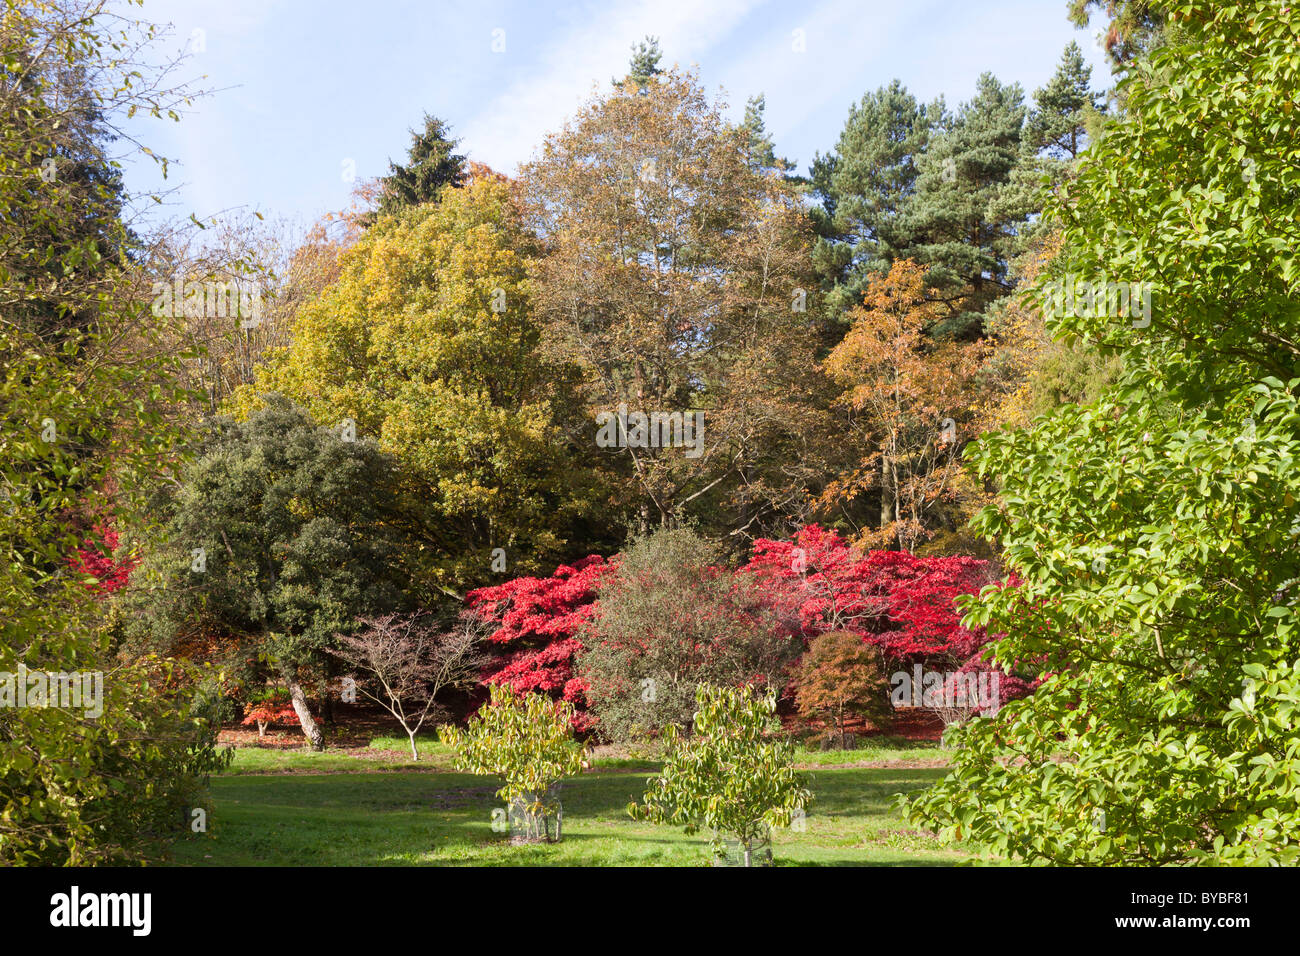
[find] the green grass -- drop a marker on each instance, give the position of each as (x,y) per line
(296,808)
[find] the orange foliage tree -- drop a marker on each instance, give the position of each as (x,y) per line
(910,403)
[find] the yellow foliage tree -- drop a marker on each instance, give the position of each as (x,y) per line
(426,342)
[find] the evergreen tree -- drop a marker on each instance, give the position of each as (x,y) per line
(762,152)
(1135,27)
(644,64)
(1059,122)
(431,166)
(969,211)
(863,187)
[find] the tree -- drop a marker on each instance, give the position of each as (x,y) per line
(431,166)
(429,342)
(912,402)
(759,148)
(864,186)
(644,64)
(536,622)
(1136,27)
(412,663)
(729,776)
(105,773)
(269,707)
(669,618)
(840,675)
(674,281)
(528,741)
(969,212)
(281,532)
(1063,108)
(1153,530)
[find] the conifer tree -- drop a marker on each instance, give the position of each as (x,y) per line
(432,164)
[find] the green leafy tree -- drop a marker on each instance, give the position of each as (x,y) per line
(106,775)
(729,776)
(282,534)
(1154,531)
(527,741)
(761,151)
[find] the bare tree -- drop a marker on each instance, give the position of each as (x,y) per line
(410,662)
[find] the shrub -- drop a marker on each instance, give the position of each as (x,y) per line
(270,707)
(841,676)
(729,777)
(668,619)
(528,741)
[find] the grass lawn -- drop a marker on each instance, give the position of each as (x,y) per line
(296,808)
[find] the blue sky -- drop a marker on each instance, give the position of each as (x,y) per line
(306,87)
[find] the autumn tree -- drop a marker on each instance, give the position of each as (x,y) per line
(409,661)
(912,402)
(841,675)
(428,342)
(675,280)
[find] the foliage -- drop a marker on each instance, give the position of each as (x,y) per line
(269,707)
(1153,531)
(525,739)
(669,618)
(840,675)
(431,167)
(82,433)
(729,776)
(280,531)
(674,279)
(428,343)
(899,390)
(536,622)
(901,603)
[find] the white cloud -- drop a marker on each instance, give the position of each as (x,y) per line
(509,128)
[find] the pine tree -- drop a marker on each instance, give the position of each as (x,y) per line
(969,212)
(863,187)
(1059,122)
(1134,29)
(431,166)
(644,64)
(762,152)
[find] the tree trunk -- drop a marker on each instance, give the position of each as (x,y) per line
(415,754)
(313,732)
(886,492)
